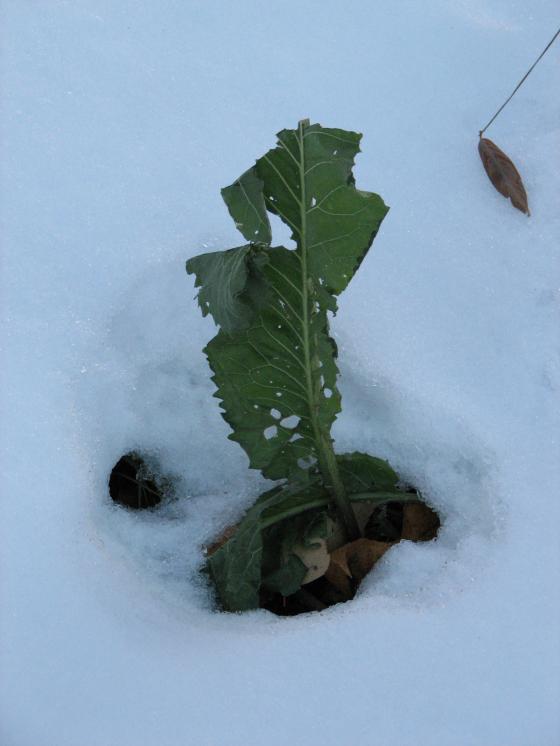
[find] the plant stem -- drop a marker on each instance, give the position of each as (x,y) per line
(325,452)
(341,500)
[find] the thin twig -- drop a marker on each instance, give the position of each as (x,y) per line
(523,79)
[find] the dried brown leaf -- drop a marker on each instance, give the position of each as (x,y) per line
(420,522)
(226,535)
(503,174)
(351,563)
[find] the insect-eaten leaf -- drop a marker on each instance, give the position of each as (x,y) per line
(273,360)
(503,174)
(232,285)
(274,364)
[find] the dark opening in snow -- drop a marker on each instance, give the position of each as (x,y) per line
(132,483)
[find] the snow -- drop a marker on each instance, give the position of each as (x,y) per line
(121,123)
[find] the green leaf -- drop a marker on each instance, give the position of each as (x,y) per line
(276,379)
(236,567)
(308,183)
(361,472)
(287,577)
(295,501)
(283,569)
(245,201)
(232,285)
(379,498)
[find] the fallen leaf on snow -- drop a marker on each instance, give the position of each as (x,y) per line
(503,174)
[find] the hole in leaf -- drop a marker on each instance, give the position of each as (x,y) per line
(271,432)
(327,393)
(290,422)
(276,414)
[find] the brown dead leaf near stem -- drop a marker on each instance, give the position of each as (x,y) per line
(351,563)
(420,522)
(503,174)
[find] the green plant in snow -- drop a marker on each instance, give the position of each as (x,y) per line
(273,361)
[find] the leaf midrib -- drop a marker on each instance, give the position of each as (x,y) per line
(325,453)
(305,290)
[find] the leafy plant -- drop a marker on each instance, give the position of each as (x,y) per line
(274,362)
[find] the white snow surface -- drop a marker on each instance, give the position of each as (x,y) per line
(121,122)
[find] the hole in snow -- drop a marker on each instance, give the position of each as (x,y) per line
(133,484)
(271,432)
